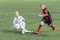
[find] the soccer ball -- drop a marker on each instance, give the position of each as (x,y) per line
(16,26)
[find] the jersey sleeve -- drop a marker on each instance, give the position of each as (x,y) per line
(14,20)
(22,18)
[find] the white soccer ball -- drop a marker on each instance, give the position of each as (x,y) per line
(16,26)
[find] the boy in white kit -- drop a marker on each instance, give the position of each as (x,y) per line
(19,23)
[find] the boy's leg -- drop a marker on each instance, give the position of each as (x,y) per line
(39,27)
(28,30)
(16,26)
(24,29)
(22,25)
(51,25)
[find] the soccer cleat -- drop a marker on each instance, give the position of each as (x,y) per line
(38,30)
(53,27)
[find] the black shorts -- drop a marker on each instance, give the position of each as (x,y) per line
(47,22)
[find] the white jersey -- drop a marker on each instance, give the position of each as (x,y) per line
(18,20)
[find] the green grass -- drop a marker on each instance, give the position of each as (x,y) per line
(29,9)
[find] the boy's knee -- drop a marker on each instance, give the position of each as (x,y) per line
(42,23)
(16,26)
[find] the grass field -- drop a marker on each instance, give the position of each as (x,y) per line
(29,9)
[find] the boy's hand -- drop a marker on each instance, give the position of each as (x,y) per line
(40,15)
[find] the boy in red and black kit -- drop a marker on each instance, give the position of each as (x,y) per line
(46,19)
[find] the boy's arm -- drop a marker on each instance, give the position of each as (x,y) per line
(14,21)
(43,15)
(22,18)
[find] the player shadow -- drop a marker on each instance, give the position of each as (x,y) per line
(13,31)
(43,35)
(19,32)
(10,31)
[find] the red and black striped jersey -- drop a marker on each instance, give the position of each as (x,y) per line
(45,11)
